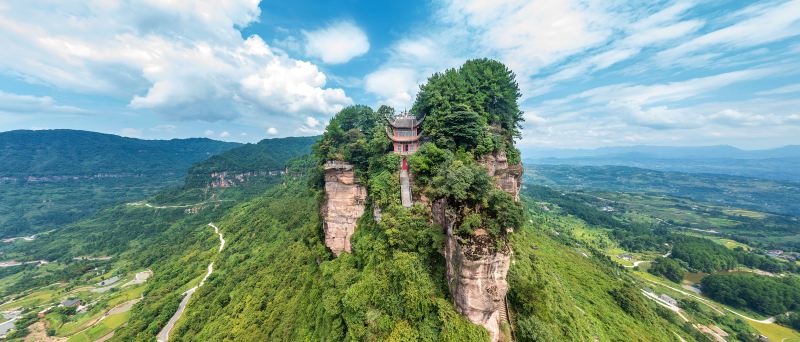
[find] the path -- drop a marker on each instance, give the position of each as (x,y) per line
(769,320)
(702,300)
(221,239)
(124,307)
(658,300)
(11,263)
(637,263)
(405,189)
(139,278)
(163,336)
(145,204)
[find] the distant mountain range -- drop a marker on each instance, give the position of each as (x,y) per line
(63,152)
(778,163)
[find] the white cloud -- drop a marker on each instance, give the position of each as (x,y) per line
(28,104)
(396,86)
(130,132)
(337,43)
(224,134)
(185,60)
(208,133)
(312,122)
(788,89)
(272,131)
(163,128)
(762,24)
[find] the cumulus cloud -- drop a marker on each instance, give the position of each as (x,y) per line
(208,133)
(225,134)
(337,43)
(184,60)
(396,86)
(272,131)
(27,104)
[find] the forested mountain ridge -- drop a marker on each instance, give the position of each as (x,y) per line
(50,178)
(467,260)
(265,158)
(63,152)
(279,280)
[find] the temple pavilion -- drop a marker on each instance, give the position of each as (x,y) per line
(405,136)
(405,133)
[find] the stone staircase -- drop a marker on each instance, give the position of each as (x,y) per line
(405,189)
(504,312)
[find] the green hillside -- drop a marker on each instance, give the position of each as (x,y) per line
(62,152)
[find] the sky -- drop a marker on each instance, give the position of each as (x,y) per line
(592,73)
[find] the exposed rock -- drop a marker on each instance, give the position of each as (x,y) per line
(342,207)
(225,179)
(476,273)
(377,214)
(507,177)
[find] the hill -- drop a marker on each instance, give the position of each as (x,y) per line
(62,152)
(51,178)
(778,197)
(774,163)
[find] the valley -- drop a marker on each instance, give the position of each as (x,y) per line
(632,229)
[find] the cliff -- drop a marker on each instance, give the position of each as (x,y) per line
(507,177)
(342,207)
(476,269)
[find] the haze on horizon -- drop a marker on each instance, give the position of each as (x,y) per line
(592,73)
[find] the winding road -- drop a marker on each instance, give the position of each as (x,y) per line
(163,336)
(145,204)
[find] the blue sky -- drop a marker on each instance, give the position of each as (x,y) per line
(592,73)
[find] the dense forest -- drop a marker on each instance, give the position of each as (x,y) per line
(63,152)
(765,295)
(76,173)
(278,281)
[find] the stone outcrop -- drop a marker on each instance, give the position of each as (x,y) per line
(476,270)
(225,179)
(342,207)
(508,177)
(476,273)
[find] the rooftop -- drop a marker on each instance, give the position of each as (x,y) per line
(405,120)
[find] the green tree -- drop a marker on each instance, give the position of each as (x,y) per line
(668,268)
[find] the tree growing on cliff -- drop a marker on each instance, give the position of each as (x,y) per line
(355,135)
(474,108)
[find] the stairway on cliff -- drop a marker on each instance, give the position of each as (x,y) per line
(405,189)
(504,312)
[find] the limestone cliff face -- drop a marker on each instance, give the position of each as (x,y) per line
(476,273)
(342,207)
(508,177)
(476,269)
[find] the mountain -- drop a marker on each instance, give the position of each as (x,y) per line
(51,178)
(62,152)
(357,240)
(777,163)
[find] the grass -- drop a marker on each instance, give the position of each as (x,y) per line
(36,298)
(745,213)
(102,328)
(776,332)
(694,277)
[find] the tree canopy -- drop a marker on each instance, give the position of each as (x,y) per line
(474,108)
